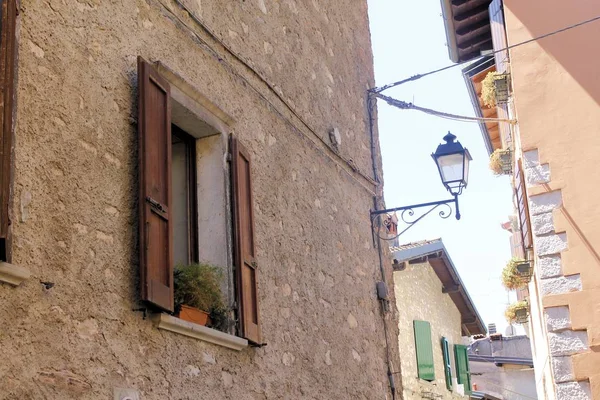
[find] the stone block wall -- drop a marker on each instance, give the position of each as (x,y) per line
(284,72)
(563,341)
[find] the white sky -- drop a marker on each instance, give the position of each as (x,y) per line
(409,38)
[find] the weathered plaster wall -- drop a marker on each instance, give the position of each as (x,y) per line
(75,157)
(557,96)
(419,297)
(507,382)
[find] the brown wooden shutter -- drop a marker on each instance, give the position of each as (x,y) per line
(156,231)
(244,253)
(8,50)
(523,208)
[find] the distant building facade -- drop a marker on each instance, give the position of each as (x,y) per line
(502,367)
(435,318)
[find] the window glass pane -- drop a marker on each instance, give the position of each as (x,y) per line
(179,204)
(451,167)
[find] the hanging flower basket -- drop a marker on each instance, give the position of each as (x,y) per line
(524,269)
(518,312)
(495,89)
(516,274)
(501,162)
(501,86)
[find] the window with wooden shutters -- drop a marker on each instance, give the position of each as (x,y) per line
(244,255)
(447,363)
(8,49)
(463,374)
(523,208)
(155,226)
(424,349)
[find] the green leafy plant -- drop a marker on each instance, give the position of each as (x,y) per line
(488,89)
(199,286)
(512,279)
(517,312)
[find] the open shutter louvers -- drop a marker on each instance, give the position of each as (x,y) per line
(8,50)
(244,254)
(424,349)
(447,364)
(154,152)
(523,208)
(463,374)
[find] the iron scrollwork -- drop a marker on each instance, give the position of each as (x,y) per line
(408,216)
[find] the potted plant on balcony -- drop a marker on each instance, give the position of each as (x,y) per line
(501,162)
(494,89)
(516,274)
(198,294)
(518,312)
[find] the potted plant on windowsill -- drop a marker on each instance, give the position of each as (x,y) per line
(518,312)
(198,294)
(501,162)
(516,274)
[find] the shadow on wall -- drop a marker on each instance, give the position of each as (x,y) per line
(576,228)
(573,49)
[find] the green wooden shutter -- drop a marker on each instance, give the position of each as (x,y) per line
(463,374)
(424,349)
(447,366)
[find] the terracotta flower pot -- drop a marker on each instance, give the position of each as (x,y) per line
(194,315)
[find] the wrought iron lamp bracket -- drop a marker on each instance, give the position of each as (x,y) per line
(409,217)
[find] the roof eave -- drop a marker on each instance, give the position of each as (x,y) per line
(436,247)
(450,30)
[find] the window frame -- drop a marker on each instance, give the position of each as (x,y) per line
(155,102)
(192,191)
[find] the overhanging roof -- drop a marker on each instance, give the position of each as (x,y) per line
(473,75)
(502,360)
(434,252)
(468,28)
(483,396)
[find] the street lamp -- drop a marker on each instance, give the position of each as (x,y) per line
(452,161)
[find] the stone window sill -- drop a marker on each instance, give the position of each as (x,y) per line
(13,274)
(173,324)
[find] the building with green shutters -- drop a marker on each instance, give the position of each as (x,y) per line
(436,317)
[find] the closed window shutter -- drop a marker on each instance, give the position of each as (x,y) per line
(523,208)
(447,365)
(156,232)
(498,35)
(8,51)
(463,374)
(424,350)
(246,268)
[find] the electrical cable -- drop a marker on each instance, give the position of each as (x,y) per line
(403,105)
(435,71)
(349,162)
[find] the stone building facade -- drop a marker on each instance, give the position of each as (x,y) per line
(553,105)
(428,290)
(279,76)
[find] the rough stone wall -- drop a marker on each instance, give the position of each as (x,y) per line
(419,297)
(74,218)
